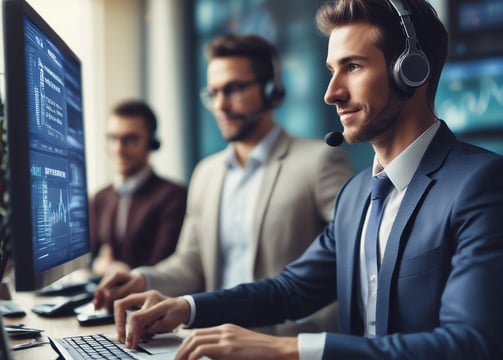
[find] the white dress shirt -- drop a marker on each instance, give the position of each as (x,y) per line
(237,207)
(126,188)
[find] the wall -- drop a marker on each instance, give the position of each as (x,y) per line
(166,73)
(108,35)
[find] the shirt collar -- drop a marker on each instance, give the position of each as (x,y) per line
(132,183)
(401,170)
(260,152)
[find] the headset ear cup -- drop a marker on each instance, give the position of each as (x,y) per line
(410,70)
(397,78)
(273,93)
(154,143)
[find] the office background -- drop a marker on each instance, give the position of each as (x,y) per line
(153,49)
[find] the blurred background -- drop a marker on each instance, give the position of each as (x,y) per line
(153,49)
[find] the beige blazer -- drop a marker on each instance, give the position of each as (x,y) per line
(301,180)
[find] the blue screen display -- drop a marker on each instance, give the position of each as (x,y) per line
(470,95)
(57,153)
(481,15)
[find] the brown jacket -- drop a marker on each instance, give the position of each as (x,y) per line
(153,225)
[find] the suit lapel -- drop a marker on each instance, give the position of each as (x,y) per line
(271,174)
(348,242)
(415,191)
(421,181)
(211,222)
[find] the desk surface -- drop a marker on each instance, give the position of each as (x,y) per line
(54,327)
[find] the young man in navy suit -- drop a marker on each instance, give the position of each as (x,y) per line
(438,292)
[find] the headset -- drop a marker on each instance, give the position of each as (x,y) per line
(154,143)
(273,89)
(411,69)
(151,121)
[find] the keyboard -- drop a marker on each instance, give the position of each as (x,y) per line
(87,347)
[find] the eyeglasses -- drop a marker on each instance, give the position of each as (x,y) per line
(126,140)
(232,90)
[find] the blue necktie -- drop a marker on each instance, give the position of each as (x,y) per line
(381,186)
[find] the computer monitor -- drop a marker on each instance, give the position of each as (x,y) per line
(48,202)
(475,28)
(469,100)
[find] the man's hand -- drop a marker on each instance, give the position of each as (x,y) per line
(116,286)
(105,263)
(157,314)
(233,342)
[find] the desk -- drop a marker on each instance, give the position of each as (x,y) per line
(54,327)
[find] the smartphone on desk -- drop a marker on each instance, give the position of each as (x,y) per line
(63,306)
(87,315)
(98,317)
(69,288)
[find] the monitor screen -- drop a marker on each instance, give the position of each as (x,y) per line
(49,224)
(475,28)
(469,96)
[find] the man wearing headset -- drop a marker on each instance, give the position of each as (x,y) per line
(255,206)
(437,292)
(136,220)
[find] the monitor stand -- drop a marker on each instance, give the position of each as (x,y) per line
(5,276)
(72,284)
(9,308)
(4,290)
(71,291)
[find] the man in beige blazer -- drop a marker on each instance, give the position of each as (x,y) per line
(289,187)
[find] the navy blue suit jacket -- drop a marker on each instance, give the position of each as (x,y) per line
(440,293)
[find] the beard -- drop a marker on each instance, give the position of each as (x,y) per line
(248,127)
(379,124)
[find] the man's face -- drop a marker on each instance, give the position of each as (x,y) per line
(128,144)
(359,86)
(237,97)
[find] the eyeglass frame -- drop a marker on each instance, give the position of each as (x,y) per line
(127,140)
(232,90)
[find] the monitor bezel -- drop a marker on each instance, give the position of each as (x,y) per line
(19,186)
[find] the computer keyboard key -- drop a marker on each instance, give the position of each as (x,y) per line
(90,347)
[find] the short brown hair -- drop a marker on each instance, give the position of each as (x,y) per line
(262,54)
(430,31)
(139,108)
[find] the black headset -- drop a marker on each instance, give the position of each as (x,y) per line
(411,69)
(273,89)
(154,143)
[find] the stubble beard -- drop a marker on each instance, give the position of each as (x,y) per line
(247,128)
(378,125)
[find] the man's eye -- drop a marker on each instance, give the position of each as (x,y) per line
(231,89)
(353,67)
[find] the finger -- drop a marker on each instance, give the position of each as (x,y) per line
(145,322)
(198,338)
(212,351)
(103,295)
(120,308)
(131,284)
(111,280)
(120,322)
(98,300)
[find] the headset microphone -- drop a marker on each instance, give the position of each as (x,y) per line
(334,138)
